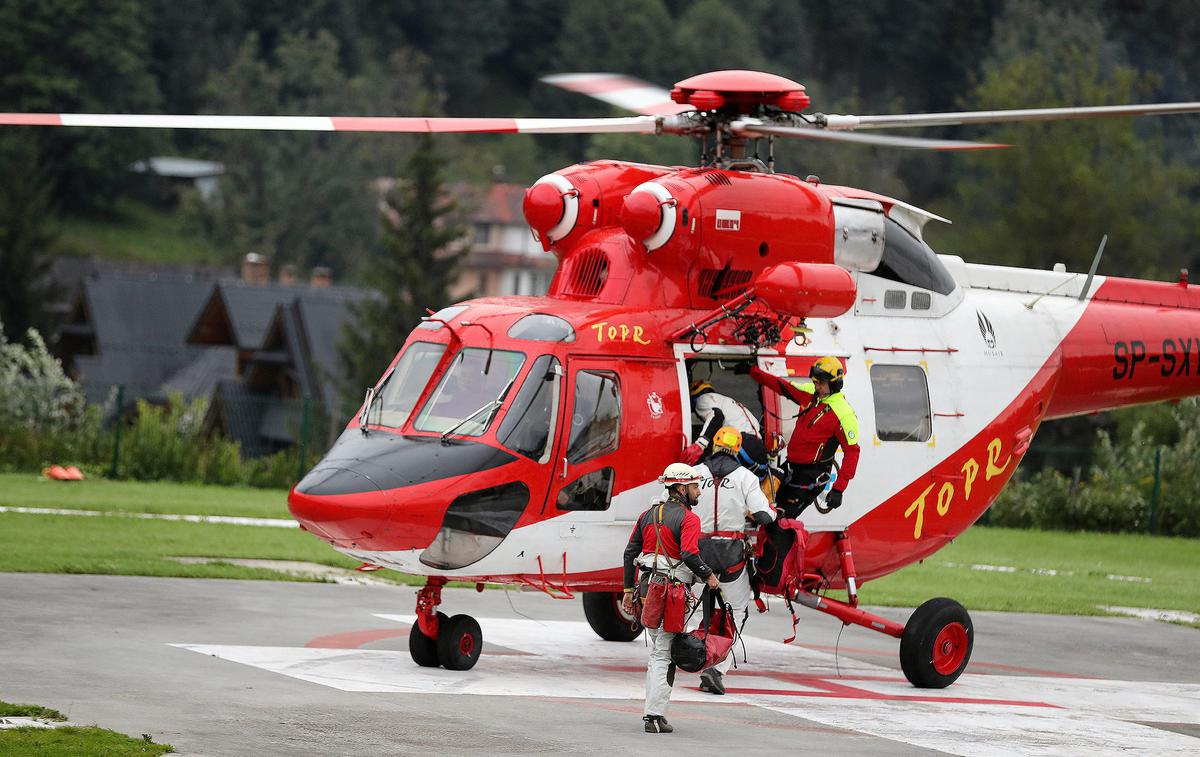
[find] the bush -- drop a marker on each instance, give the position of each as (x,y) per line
(1117,492)
(44,418)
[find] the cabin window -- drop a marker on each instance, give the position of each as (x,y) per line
(474,525)
(895,299)
(596,416)
(910,261)
(526,426)
(540,327)
(403,386)
(901,403)
(591,491)
(469,394)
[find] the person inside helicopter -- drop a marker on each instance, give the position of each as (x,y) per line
(716,409)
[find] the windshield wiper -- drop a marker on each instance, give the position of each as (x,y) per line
(492,405)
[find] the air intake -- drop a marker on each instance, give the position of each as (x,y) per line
(717,177)
(723,283)
(585,274)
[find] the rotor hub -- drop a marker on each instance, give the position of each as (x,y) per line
(741,91)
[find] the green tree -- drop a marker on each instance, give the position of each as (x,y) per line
(1066,184)
(304,198)
(25,238)
(71,56)
(411,273)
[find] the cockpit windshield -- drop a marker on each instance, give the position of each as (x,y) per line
(404,384)
(469,394)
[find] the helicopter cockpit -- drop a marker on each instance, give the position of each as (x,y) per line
(452,404)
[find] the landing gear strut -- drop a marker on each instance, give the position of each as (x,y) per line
(435,639)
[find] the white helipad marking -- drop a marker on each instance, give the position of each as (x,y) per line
(979,715)
(229,519)
(1171,616)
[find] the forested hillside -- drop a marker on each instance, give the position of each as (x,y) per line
(305,198)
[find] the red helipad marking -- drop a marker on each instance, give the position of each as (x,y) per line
(355,639)
(973,665)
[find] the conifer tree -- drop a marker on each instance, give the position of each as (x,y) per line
(414,271)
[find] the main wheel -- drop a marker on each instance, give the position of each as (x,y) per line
(604,614)
(936,644)
(423,648)
(459,643)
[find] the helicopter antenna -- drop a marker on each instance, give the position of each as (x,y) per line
(1087,285)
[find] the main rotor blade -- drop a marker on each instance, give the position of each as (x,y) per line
(912,120)
(625,92)
(633,124)
(878,140)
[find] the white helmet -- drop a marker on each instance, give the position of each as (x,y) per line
(680,473)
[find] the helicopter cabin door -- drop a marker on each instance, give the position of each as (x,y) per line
(587,441)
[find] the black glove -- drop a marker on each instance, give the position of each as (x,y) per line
(833,500)
(742,367)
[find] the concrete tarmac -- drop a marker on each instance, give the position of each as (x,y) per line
(273,668)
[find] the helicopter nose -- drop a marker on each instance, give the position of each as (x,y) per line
(386,493)
(348,509)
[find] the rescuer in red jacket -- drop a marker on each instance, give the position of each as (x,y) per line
(664,541)
(826,421)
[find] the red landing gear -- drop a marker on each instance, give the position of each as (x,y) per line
(935,644)
(451,642)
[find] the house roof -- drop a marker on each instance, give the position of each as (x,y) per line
(239,314)
(136,323)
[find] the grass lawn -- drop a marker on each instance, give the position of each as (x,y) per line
(68,741)
(30,490)
(1083,563)
(138,233)
(1043,571)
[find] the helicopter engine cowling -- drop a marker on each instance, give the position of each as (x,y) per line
(799,290)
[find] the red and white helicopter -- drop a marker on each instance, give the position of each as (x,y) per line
(515,440)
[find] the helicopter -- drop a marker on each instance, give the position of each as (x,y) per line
(515,440)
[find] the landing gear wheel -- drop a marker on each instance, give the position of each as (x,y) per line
(459,643)
(604,614)
(422,648)
(936,644)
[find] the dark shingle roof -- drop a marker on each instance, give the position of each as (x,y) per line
(139,321)
(200,377)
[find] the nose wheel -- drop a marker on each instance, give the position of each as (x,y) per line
(453,643)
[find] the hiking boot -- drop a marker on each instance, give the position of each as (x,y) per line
(657,724)
(710,681)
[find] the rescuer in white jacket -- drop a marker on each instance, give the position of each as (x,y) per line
(729,494)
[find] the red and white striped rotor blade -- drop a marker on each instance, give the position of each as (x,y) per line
(750,128)
(632,125)
(625,92)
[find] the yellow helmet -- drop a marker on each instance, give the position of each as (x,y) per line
(699,387)
(828,368)
(727,439)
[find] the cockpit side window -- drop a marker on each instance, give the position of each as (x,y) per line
(526,426)
(910,261)
(596,416)
(402,387)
